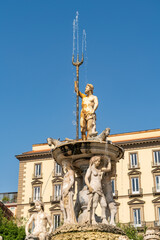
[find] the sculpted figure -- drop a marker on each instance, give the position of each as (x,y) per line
(93,180)
(67,205)
(102,136)
(107,189)
(40,220)
(88,116)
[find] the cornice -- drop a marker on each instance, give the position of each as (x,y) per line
(33,155)
(138,142)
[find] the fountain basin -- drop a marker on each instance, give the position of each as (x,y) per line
(77,151)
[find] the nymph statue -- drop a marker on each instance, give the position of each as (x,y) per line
(67,205)
(93,180)
(88,116)
(40,219)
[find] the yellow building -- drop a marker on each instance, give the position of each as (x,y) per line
(136,186)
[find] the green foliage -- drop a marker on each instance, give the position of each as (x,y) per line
(5,199)
(131,231)
(9,229)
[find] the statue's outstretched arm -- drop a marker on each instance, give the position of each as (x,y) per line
(50,224)
(71,178)
(28,224)
(108,168)
(87,176)
(77,91)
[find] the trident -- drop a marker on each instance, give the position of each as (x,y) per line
(77,64)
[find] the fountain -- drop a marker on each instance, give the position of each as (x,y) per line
(88,165)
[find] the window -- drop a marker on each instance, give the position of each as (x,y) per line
(137,217)
(58,169)
(57,192)
(113,186)
(36,193)
(135,185)
(37,170)
(158,183)
(56,221)
(156,157)
(133,160)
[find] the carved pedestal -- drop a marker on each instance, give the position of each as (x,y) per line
(151,234)
(88,232)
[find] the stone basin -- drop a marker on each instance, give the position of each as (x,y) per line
(79,152)
(88,232)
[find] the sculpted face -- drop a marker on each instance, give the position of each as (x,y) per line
(97,161)
(87,89)
(38,206)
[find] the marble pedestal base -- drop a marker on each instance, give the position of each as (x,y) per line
(88,232)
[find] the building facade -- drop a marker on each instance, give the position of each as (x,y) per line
(136,185)
(9,199)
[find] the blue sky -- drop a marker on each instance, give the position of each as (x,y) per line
(37,78)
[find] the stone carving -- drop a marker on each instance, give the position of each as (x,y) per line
(40,219)
(123,238)
(67,205)
(107,188)
(88,116)
(102,136)
(151,234)
(93,180)
(53,142)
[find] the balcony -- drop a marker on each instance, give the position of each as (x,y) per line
(115,194)
(155,164)
(138,193)
(33,199)
(131,167)
(138,225)
(34,177)
(157,223)
(155,191)
(7,198)
(55,199)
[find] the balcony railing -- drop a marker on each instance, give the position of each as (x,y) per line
(54,199)
(138,193)
(33,199)
(37,176)
(138,225)
(154,164)
(157,223)
(130,166)
(8,197)
(155,191)
(115,194)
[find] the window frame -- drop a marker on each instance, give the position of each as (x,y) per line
(56,165)
(133,166)
(36,186)
(54,190)
(153,154)
(56,214)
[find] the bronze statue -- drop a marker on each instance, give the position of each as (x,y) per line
(88,116)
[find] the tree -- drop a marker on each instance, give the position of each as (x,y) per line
(131,231)
(9,229)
